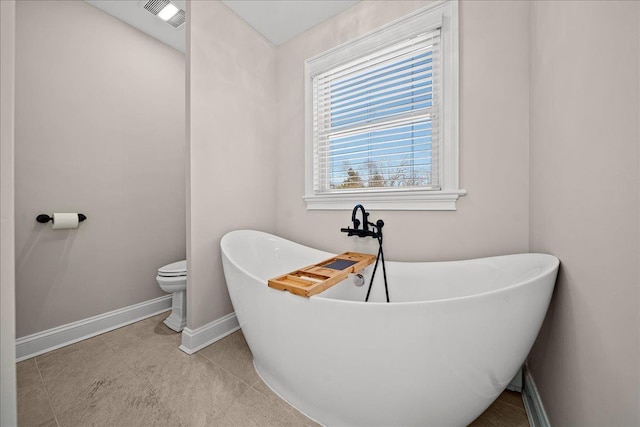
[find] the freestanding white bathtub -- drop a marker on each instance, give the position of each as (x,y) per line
(450,341)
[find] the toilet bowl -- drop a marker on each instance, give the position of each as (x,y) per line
(172,279)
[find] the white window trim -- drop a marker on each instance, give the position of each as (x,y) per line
(441,13)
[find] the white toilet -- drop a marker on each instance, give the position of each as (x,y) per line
(172,279)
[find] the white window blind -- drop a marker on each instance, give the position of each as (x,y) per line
(376,119)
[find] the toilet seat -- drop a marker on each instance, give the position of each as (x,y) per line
(176,269)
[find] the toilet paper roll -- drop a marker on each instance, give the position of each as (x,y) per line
(64,220)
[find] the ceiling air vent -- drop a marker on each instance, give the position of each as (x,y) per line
(177,19)
(166,11)
(155,6)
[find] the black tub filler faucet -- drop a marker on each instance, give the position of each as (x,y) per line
(376,232)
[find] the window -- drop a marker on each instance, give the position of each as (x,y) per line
(382,117)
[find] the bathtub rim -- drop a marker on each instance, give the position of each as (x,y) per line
(554,263)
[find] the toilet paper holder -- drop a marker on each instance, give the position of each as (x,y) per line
(44,218)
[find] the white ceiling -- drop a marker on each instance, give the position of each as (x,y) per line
(133,13)
(277,20)
(281,20)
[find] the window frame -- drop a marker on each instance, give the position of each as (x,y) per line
(442,14)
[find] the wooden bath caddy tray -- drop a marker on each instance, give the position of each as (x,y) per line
(319,277)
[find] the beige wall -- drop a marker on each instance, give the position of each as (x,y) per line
(235,77)
(232,110)
(494,100)
(8,416)
(99,130)
(584,208)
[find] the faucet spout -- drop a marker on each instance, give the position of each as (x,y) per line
(375,231)
(356,221)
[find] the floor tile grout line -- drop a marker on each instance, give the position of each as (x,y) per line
(144,380)
(512,405)
(46,390)
(253,386)
(222,415)
(226,370)
(515,406)
(288,407)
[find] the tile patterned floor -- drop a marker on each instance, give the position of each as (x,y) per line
(137,376)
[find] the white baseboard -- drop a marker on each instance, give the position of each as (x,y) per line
(196,339)
(533,403)
(51,339)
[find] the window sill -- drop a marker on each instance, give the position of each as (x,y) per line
(415,200)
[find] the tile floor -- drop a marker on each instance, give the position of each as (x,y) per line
(137,376)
